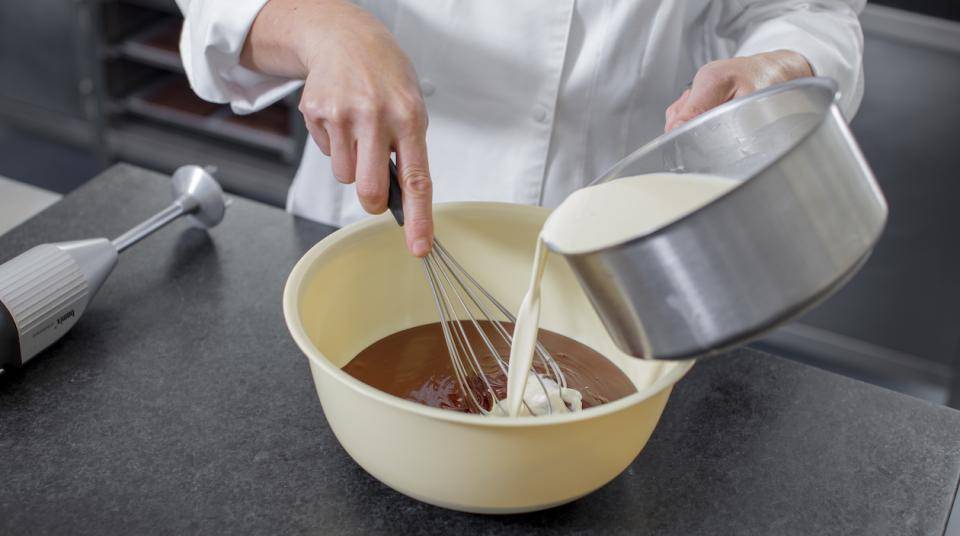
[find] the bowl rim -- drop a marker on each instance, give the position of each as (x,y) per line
(291,317)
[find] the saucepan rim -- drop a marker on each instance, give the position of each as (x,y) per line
(827,85)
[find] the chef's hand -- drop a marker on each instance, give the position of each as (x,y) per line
(361,100)
(720,81)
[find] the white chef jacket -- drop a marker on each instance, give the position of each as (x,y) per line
(529,100)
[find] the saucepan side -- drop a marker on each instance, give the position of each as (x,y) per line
(359,285)
(803,218)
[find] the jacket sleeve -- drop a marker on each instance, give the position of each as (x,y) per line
(826,32)
(214,32)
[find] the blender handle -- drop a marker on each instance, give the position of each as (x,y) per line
(395,197)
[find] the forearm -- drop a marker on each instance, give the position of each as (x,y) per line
(827,33)
(287,34)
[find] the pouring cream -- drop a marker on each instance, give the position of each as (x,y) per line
(593,218)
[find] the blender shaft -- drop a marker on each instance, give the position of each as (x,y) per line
(150,225)
(45,290)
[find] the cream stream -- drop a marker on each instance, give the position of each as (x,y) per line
(594,218)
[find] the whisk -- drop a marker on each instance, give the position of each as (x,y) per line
(463,304)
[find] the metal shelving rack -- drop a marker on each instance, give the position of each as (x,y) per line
(150,117)
(113,82)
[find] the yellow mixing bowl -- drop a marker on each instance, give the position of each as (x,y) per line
(359,285)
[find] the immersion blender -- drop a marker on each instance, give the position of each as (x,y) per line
(44,290)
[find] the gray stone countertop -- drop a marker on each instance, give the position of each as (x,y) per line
(179,404)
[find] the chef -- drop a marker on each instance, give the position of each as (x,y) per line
(527,100)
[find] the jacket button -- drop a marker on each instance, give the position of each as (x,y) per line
(427,88)
(540,115)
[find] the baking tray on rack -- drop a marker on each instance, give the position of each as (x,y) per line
(171,101)
(158,45)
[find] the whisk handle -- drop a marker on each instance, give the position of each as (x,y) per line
(395,197)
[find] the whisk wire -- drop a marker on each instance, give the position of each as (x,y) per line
(449,282)
(453,345)
(490,318)
(456,320)
(548,361)
(463,347)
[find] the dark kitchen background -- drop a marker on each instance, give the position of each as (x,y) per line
(87,83)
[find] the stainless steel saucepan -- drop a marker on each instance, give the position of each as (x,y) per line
(801,222)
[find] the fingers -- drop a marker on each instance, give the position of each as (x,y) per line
(373,153)
(319,136)
(417,193)
(330,129)
(343,153)
(358,129)
(714,84)
(671,113)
